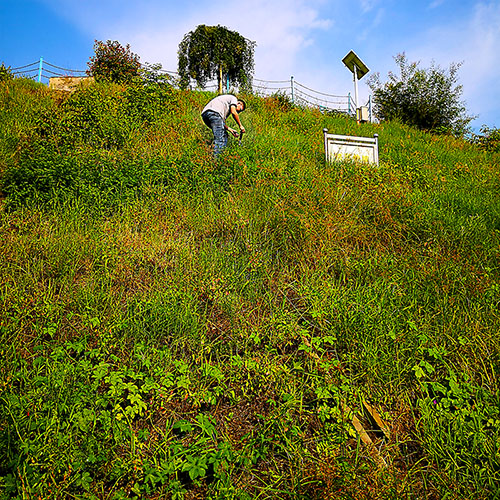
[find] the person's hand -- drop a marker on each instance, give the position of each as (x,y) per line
(242,130)
(234,132)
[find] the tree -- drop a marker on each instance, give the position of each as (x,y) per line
(113,62)
(489,139)
(428,99)
(211,52)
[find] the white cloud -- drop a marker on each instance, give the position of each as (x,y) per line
(481,42)
(368,5)
(435,4)
(375,22)
(154,29)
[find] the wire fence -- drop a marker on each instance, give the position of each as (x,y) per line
(298,93)
(43,71)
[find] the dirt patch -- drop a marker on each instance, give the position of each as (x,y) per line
(69,83)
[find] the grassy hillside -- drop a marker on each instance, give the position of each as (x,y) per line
(172,327)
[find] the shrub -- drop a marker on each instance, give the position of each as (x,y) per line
(113,62)
(489,139)
(5,73)
(428,99)
(282,101)
(152,74)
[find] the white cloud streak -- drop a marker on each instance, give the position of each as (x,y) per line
(435,4)
(368,5)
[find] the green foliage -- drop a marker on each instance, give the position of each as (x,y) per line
(113,63)
(213,52)
(488,139)
(455,409)
(78,148)
(5,73)
(428,99)
(175,327)
(23,102)
(282,100)
(152,74)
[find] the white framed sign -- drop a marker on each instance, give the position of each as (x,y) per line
(351,147)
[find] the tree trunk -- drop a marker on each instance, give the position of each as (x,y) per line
(220,79)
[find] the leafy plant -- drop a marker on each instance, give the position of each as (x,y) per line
(152,74)
(488,139)
(425,98)
(457,411)
(5,73)
(112,62)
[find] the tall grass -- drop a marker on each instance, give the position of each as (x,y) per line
(177,327)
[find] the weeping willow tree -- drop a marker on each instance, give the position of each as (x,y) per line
(211,52)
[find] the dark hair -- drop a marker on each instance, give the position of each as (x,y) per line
(244,104)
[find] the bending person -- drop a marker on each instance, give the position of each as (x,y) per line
(215,114)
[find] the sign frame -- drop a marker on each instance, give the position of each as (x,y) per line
(351,147)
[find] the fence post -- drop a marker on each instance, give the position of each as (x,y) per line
(40,70)
(349,103)
(291,85)
(370,107)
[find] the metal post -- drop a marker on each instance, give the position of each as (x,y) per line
(355,72)
(349,103)
(40,70)
(325,138)
(291,85)
(227,83)
(370,107)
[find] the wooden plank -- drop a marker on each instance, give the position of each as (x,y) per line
(359,428)
(376,419)
(365,438)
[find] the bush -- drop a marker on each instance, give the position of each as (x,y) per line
(282,101)
(428,99)
(5,73)
(489,139)
(152,74)
(40,176)
(113,62)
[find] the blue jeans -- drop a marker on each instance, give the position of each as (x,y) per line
(214,121)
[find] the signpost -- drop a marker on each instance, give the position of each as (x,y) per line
(359,70)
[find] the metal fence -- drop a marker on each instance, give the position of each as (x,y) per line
(297,92)
(42,71)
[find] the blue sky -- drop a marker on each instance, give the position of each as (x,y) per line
(306,39)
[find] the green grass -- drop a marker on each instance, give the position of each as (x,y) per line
(172,327)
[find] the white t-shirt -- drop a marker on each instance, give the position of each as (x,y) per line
(222,105)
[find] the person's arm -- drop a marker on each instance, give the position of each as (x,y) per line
(236,117)
(227,127)
(231,130)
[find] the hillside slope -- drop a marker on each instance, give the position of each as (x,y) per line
(176,327)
